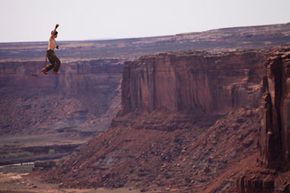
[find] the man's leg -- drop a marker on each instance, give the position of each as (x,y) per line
(48,67)
(56,65)
(51,60)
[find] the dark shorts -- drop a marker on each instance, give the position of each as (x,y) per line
(54,61)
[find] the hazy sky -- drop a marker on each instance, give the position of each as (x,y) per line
(32,20)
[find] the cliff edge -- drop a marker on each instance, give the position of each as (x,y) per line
(272,175)
(187,121)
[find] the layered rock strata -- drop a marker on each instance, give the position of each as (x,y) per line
(33,102)
(274,162)
(274,137)
(198,82)
(186,119)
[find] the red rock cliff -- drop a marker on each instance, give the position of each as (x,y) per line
(192,81)
(272,175)
(275,133)
(82,92)
(162,144)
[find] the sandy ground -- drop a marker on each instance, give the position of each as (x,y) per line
(23,183)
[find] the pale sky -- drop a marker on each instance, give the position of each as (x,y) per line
(32,20)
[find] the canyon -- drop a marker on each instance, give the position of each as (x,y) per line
(69,109)
(175,113)
(49,111)
(186,118)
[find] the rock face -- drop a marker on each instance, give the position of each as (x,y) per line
(274,139)
(187,119)
(83,91)
(197,82)
(274,133)
(257,182)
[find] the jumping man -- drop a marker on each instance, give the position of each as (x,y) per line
(50,54)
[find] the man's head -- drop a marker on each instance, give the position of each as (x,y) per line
(54,33)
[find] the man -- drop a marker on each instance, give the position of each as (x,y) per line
(50,54)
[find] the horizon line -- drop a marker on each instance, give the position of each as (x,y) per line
(141,37)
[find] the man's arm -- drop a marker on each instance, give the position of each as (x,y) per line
(56,26)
